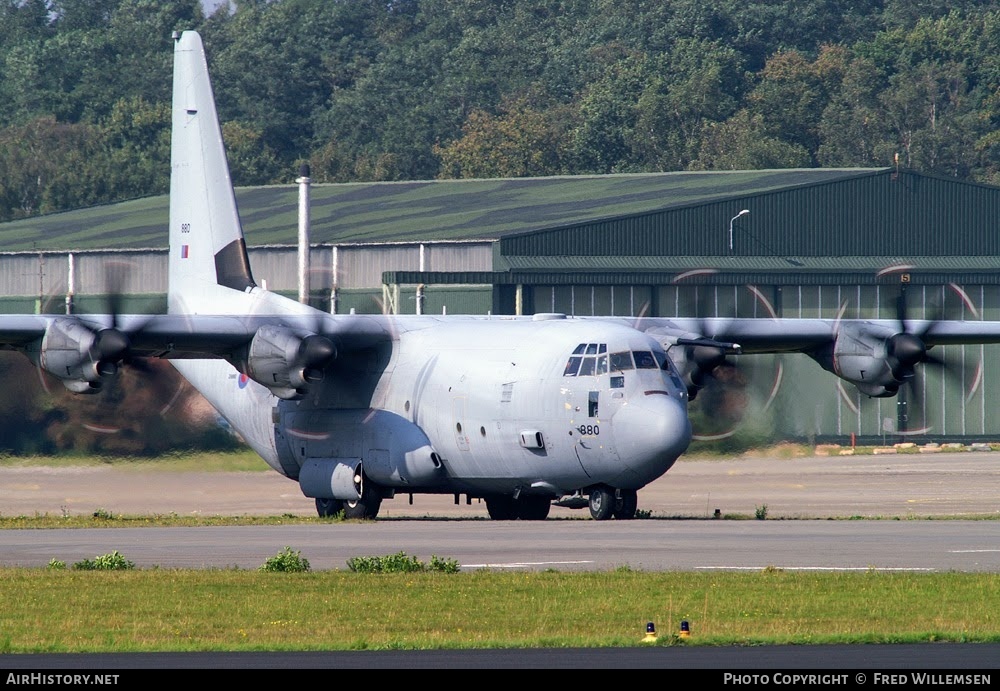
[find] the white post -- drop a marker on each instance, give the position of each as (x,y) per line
(303,181)
(70,287)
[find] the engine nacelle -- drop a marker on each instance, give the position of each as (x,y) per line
(287,362)
(71,352)
(874,359)
(696,358)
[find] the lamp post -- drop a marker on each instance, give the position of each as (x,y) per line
(742,213)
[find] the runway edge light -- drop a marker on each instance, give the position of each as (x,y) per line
(650,636)
(685,629)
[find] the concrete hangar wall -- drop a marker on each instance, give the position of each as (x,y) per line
(816,242)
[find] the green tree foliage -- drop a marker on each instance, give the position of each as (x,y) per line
(521,141)
(419,89)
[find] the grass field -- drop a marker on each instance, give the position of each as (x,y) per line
(45,610)
(158,609)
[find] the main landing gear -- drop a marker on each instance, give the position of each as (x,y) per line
(366,507)
(527,507)
(607,503)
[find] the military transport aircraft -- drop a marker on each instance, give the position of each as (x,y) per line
(518,411)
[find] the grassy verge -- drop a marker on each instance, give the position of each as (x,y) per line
(236,461)
(47,610)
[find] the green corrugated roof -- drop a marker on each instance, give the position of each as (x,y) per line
(749,263)
(415,211)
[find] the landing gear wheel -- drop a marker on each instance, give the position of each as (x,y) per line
(602,503)
(501,507)
(626,505)
(367,506)
(532,508)
(328,507)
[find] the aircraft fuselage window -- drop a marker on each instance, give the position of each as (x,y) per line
(618,382)
(621,361)
(592,403)
(667,365)
(602,364)
(592,364)
(644,360)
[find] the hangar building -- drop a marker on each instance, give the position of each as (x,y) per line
(793,243)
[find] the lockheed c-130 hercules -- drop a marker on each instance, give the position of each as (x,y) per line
(518,411)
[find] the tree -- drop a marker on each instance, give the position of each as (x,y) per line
(521,141)
(742,143)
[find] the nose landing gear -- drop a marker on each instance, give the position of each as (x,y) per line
(606,503)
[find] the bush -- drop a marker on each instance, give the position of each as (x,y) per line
(57,564)
(106,562)
(400,563)
(286,561)
(443,565)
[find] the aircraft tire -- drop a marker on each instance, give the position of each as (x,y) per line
(501,507)
(533,508)
(626,505)
(602,503)
(328,507)
(367,506)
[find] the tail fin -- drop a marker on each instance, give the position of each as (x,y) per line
(208,255)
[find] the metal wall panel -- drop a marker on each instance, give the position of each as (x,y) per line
(447,256)
(362,267)
(884,214)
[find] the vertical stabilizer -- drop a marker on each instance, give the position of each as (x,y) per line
(208,257)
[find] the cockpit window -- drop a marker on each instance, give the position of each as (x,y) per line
(585,361)
(621,361)
(644,360)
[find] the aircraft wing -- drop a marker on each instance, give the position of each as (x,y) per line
(81,349)
(788,335)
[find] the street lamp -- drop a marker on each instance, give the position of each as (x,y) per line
(742,213)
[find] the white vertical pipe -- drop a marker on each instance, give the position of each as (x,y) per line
(334,280)
(70,283)
(303,181)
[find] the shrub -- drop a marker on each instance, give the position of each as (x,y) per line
(760,513)
(286,561)
(399,563)
(57,564)
(390,563)
(444,565)
(106,562)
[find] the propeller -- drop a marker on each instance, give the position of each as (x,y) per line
(725,384)
(910,359)
(149,387)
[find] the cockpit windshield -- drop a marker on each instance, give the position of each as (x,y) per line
(587,360)
(593,359)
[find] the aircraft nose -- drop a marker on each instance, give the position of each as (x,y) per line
(651,432)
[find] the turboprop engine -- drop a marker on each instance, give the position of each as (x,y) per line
(79,356)
(287,362)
